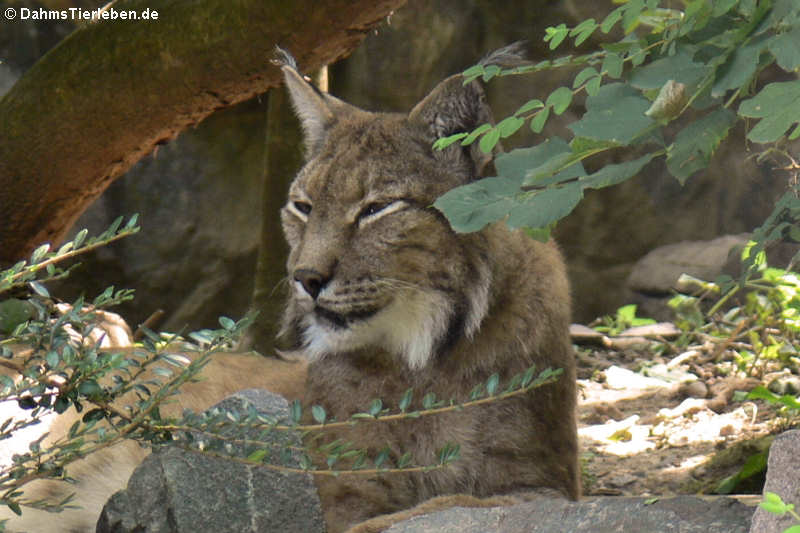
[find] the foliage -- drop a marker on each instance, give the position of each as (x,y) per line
(761,328)
(774,504)
(55,354)
(57,361)
(699,71)
(624,318)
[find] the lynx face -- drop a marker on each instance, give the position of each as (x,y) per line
(372,264)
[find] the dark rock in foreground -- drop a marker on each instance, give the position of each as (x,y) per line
(684,514)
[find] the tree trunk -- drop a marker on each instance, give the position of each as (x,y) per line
(113,91)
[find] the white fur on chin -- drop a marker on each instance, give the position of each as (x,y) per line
(409,327)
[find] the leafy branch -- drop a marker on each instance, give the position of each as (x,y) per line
(706,58)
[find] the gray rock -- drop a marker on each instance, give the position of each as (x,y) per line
(178,491)
(685,514)
(783,472)
(659,270)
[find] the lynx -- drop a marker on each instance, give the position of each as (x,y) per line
(384,297)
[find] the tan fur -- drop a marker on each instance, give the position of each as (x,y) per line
(386,297)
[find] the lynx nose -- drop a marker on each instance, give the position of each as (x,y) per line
(311,280)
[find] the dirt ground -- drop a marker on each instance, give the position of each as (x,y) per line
(677,431)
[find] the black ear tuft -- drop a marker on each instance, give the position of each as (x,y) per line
(317,110)
(452,107)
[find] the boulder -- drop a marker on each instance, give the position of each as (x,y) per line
(783,473)
(685,514)
(179,491)
(658,271)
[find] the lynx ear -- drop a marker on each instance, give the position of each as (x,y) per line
(453,107)
(318,111)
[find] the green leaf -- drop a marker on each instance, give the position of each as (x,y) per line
(538,122)
(583,31)
(112,230)
(680,68)
(429,400)
(471,207)
(611,19)
(530,105)
(695,144)
(633,9)
(295,411)
(405,401)
(52,359)
(612,65)
(80,237)
(227,323)
(14,312)
(740,68)
(786,49)
(723,6)
(381,458)
(489,140)
(760,392)
(132,222)
(39,289)
(559,100)
(615,113)
(544,207)
(469,139)
(556,35)
(444,142)
(375,407)
(319,414)
(257,456)
(778,107)
(89,388)
(490,71)
(593,85)
(612,174)
(404,460)
(509,126)
(491,384)
(526,165)
(39,253)
(584,75)
(472,72)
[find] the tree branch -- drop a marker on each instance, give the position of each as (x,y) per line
(112,91)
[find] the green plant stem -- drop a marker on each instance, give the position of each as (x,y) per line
(32,269)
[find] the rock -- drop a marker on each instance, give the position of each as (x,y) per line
(178,491)
(581,334)
(658,271)
(685,514)
(693,389)
(667,330)
(622,378)
(783,473)
(785,384)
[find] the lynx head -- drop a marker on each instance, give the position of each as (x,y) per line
(372,264)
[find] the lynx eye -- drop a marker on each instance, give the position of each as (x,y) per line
(373,209)
(376,210)
(303,207)
(299,209)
